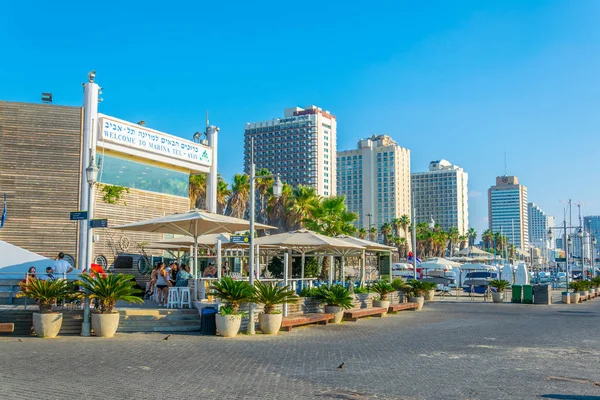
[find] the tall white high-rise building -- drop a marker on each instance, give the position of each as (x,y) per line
(508,211)
(375,178)
(441,193)
(538,224)
(301,147)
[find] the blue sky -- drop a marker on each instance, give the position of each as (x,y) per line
(461,80)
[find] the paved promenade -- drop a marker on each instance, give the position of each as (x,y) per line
(447,351)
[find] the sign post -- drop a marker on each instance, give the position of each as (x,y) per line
(79,215)
(237,239)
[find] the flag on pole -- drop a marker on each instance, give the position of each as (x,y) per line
(3,213)
(410,257)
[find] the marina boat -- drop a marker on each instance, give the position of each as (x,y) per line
(477,277)
(402,270)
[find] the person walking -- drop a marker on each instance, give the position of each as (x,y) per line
(162,285)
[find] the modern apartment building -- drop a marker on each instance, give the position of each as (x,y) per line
(592,225)
(300,146)
(508,211)
(375,178)
(539,223)
(441,193)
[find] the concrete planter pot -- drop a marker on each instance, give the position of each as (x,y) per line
(583,294)
(105,325)
(270,324)
(566,298)
(228,325)
(575,297)
(381,304)
(47,325)
(418,300)
(429,295)
(338,313)
(498,297)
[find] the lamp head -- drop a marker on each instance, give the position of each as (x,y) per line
(580,233)
(91,172)
(91,76)
(277,187)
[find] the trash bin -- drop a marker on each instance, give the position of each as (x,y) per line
(516,294)
(208,325)
(542,294)
(528,294)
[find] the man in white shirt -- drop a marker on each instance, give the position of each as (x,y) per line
(61,266)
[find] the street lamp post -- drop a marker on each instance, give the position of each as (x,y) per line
(91,173)
(593,255)
(580,235)
(277,190)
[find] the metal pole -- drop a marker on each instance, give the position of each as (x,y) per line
(286,259)
(211,182)
(86,325)
(566,245)
(302,271)
(331,266)
(414,240)
(251,322)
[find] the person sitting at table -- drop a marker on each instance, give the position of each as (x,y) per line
(49,274)
(173,271)
(30,275)
(183,275)
(210,271)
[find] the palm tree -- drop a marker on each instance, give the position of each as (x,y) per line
(400,243)
(262,186)
(463,240)
(453,235)
(372,234)
(472,234)
(331,217)
(397,226)
(304,200)
(197,191)
(240,194)
(488,238)
(405,223)
(278,209)
(223,194)
(385,230)
(362,233)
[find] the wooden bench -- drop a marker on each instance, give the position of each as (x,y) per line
(7,327)
(356,313)
(297,320)
(394,308)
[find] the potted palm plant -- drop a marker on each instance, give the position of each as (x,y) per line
(271,295)
(429,290)
(47,322)
(402,287)
(107,290)
(500,285)
(416,292)
(575,296)
(233,294)
(336,299)
(382,288)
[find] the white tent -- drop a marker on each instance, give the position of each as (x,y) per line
(438,263)
(15,261)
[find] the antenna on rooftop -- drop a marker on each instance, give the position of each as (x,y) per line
(207,118)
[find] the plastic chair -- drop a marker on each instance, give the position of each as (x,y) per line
(173,298)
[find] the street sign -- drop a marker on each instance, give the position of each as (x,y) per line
(99,223)
(236,239)
(79,215)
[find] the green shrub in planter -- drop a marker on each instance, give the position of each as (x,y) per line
(383,288)
(46,292)
(308,292)
(336,296)
(499,284)
(232,293)
(270,295)
(109,289)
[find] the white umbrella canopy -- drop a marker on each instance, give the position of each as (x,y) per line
(367,244)
(194,223)
(183,242)
(304,240)
(438,263)
(473,251)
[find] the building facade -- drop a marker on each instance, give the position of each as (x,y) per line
(300,147)
(442,194)
(508,211)
(375,179)
(41,170)
(592,224)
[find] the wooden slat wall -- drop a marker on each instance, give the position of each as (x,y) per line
(135,206)
(39,171)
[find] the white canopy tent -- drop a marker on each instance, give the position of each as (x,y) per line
(15,261)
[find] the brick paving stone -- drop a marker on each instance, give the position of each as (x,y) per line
(447,351)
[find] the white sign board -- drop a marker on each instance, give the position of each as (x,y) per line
(138,137)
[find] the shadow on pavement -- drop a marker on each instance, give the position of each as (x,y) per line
(569,397)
